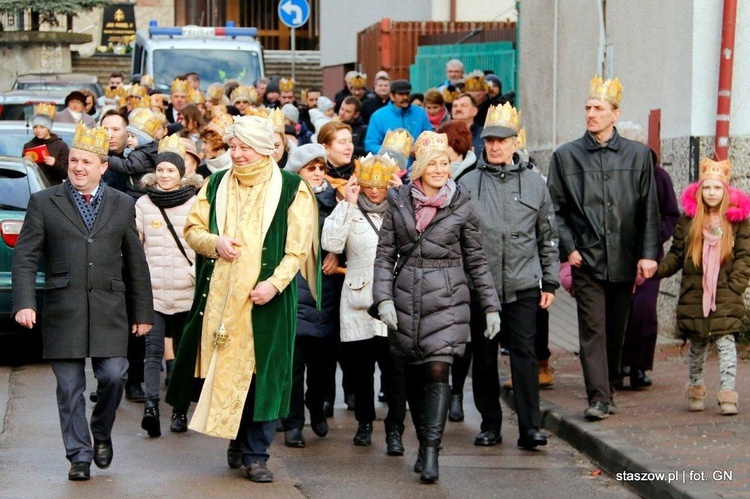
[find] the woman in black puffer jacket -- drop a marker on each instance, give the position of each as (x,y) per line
(427,307)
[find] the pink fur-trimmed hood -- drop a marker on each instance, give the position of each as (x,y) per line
(739,203)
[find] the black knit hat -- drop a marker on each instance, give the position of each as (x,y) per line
(173,158)
(75,95)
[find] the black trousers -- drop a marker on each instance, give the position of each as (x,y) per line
(136,357)
(316,356)
(257,436)
(361,356)
(603,309)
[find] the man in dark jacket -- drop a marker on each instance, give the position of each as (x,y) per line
(98,289)
(604,193)
(517,221)
(349,113)
(381,97)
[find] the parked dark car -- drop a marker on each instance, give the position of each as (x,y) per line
(19,104)
(66,82)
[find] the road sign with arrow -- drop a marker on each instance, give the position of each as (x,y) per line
(294,13)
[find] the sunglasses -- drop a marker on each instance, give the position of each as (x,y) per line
(312,168)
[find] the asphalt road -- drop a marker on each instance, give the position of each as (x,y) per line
(32,458)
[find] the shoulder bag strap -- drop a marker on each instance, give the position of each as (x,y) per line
(174,234)
(369,220)
(402,260)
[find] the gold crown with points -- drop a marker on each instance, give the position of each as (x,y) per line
(172,143)
(196,97)
(147,81)
(215,91)
(244,92)
(475,81)
(449,97)
(286,85)
(608,91)
(145,121)
(505,116)
(135,90)
(430,141)
(398,140)
(220,123)
(277,120)
(47,109)
(140,102)
(180,86)
(374,171)
(715,170)
(114,93)
(521,139)
(359,81)
(95,139)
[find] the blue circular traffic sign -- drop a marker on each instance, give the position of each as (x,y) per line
(294,13)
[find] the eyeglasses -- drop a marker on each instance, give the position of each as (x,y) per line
(312,168)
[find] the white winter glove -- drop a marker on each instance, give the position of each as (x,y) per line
(493,325)
(387,313)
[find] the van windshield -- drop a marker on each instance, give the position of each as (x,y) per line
(213,66)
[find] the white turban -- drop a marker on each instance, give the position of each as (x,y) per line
(254,131)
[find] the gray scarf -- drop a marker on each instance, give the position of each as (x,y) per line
(369,207)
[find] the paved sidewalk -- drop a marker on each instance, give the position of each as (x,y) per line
(663,450)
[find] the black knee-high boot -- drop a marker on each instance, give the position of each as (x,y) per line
(437,403)
(415,394)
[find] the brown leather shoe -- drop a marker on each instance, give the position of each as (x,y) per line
(545,374)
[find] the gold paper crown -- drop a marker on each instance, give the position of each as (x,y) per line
(359,81)
(145,121)
(121,101)
(715,170)
(95,139)
(196,97)
(609,91)
(114,93)
(430,141)
(142,102)
(243,92)
(398,140)
(135,90)
(286,85)
(503,116)
(374,171)
(521,139)
(277,120)
(180,86)
(147,81)
(449,97)
(45,109)
(475,81)
(215,91)
(220,123)
(172,143)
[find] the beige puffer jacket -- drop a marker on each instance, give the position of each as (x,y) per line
(172,278)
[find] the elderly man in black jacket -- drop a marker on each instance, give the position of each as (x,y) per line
(604,193)
(97,291)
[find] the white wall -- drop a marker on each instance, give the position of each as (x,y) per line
(484,10)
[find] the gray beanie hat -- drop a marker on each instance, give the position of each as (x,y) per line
(42,120)
(324,103)
(290,112)
(302,155)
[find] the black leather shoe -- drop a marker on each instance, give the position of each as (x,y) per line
(234,454)
(103,453)
(79,471)
(596,411)
(393,443)
(364,434)
(320,428)
(135,393)
(639,379)
(293,438)
(179,422)
(150,421)
(531,438)
(349,402)
(489,438)
(258,472)
(328,409)
(456,412)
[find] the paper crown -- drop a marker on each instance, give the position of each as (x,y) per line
(715,170)
(286,85)
(140,102)
(147,81)
(196,97)
(430,141)
(358,81)
(609,91)
(114,93)
(45,109)
(172,143)
(374,171)
(180,86)
(95,139)
(475,81)
(135,90)
(449,96)
(220,123)
(243,92)
(521,139)
(398,140)
(276,117)
(215,91)
(145,121)
(505,116)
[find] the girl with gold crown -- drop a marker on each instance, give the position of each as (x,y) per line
(711,246)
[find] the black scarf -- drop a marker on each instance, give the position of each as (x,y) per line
(168,199)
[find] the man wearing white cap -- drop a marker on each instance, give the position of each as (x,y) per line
(253,229)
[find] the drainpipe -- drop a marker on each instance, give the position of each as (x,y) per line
(554,76)
(726,65)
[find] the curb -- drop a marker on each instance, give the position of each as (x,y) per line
(608,450)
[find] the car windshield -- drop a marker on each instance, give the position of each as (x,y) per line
(22,112)
(14,190)
(211,65)
(12,141)
(56,85)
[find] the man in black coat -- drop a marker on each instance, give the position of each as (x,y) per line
(98,289)
(603,189)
